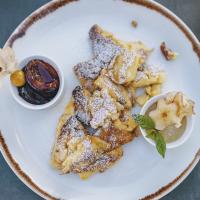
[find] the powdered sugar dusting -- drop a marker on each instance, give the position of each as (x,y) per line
(102,163)
(71,129)
(112,86)
(105,52)
(81,105)
(128,59)
(98,132)
(105,49)
(102,108)
(154,71)
(99,117)
(148,71)
(112,139)
(90,69)
(89,139)
(87,154)
(140,75)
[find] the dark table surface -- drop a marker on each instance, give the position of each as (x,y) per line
(12,12)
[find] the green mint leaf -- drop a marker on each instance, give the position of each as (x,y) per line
(148,124)
(160,144)
(144,121)
(151,134)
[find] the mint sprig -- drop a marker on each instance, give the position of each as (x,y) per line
(148,125)
(144,122)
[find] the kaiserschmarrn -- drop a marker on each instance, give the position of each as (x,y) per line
(98,119)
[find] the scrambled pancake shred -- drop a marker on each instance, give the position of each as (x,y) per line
(98,121)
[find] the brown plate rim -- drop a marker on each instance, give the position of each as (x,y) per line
(46,10)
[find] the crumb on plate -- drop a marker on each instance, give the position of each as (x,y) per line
(168,53)
(134,23)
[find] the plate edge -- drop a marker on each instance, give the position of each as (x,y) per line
(151,4)
(35,16)
(19,172)
(173,184)
(51,7)
(33,186)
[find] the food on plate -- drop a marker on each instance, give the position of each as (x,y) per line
(77,151)
(8,62)
(153,90)
(37,83)
(104,109)
(167,119)
(116,91)
(120,59)
(41,76)
(124,63)
(41,82)
(98,120)
(134,23)
(81,101)
(80,126)
(18,78)
(142,99)
(168,53)
(171,110)
(149,76)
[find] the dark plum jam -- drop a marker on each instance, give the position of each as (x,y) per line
(42,82)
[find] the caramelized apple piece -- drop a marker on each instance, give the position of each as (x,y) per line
(41,76)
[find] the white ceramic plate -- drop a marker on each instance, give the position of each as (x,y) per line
(60,32)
